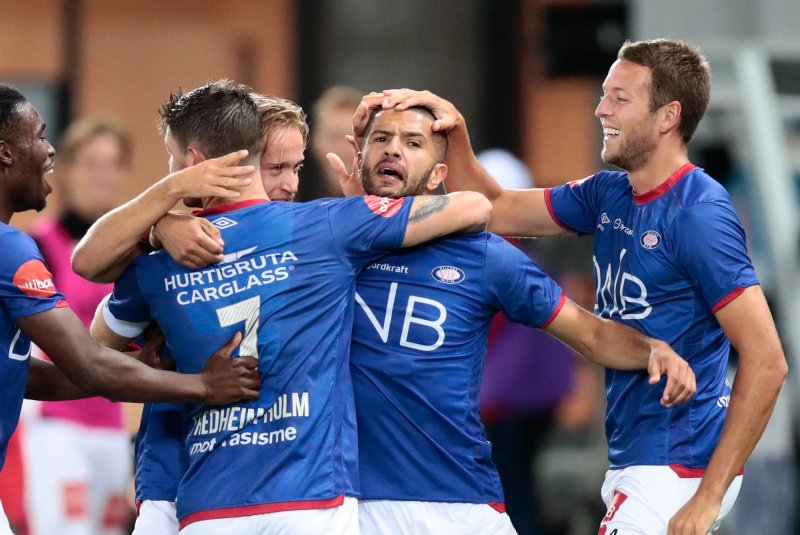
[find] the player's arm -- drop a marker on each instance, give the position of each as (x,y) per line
(47,383)
(113,241)
(516,212)
(433,216)
(748,324)
(100,371)
(615,345)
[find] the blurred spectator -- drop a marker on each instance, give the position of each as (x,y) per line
(531,382)
(331,120)
(77,453)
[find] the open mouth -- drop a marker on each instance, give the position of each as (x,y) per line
(390,171)
(610,133)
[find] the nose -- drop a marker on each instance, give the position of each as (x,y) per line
(291,184)
(51,151)
(392,147)
(602,109)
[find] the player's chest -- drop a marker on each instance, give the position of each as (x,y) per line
(633,256)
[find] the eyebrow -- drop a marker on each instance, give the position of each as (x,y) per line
(404,133)
(281,162)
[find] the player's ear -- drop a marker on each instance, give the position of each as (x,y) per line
(6,154)
(437,177)
(194,155)
(670,116)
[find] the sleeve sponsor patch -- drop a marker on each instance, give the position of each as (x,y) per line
(383,206)
(34,279)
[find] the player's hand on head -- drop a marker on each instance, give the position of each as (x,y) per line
(681,383)
(349,181)
(230,379)
(215,177)
(447,115)
(192,242)
(369,103)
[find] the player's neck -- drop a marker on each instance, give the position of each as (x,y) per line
(253,191)
(657,170)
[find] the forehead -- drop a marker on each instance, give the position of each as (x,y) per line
(283,140)
(627,76)
(406,120)
(29,118)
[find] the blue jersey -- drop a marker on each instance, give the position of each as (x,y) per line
(161,459)
(287,282)
(419,342)
(664,262)
(26,288)
(158,449)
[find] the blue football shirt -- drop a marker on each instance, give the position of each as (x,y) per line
(26,288)
(419,342)
(287,282)
(664,263)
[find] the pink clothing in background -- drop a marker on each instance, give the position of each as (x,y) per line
(83,296)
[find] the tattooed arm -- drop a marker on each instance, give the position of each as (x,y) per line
(433,216)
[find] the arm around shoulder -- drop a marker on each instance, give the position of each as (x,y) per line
(433,216)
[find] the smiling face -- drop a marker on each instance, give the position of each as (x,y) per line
(630,130)
(400,156)
(281,163)
(32,160)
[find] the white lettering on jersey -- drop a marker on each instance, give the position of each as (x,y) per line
(617,292)
(436,324)
(408,319)
(18,356)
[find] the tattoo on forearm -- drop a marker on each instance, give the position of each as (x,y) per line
(428,207)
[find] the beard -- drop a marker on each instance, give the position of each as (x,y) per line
(410,186)
(635,152)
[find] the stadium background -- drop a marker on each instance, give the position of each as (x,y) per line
(525,73)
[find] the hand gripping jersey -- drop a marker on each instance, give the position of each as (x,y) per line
(664,263)
(287,283)
(26,288)
(419,341)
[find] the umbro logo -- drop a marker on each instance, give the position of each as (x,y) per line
(604,220)
(223,222)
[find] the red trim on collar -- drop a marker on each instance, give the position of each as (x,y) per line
(229,207)
(665,186)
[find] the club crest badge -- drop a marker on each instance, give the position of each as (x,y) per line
(650,239)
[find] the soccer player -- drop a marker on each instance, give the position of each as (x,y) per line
(160,461)
(419,343)
(669,258)
(33,310)
(286,461)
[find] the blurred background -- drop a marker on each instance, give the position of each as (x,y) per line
(526,74)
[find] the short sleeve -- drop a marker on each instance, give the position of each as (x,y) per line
(365,228)
(26,285)
(710,248)
(573,206)
(126,311)
(523,291)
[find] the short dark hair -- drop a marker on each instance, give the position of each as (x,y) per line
(10,101)
(219,117)
(439,138)
(678,72)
